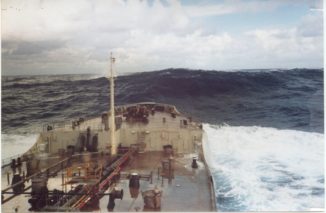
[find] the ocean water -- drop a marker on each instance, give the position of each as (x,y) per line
(264,128)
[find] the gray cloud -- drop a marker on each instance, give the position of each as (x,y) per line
(27,48)
(312,25)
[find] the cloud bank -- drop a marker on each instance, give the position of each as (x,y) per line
(47,37)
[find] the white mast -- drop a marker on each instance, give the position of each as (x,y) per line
(112,115)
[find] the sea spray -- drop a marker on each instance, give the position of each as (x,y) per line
(12,145)
(265,169)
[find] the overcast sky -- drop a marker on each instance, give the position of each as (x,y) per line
(76,36)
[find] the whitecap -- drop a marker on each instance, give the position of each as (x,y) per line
(265,169)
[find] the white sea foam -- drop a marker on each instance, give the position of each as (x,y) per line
(12,145)
(265,169)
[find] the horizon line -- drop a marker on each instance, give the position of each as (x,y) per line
(170,68)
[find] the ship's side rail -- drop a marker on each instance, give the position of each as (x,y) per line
(47,170)
(149,105)
(54,168)
(97,125)
(160,124)
(6,161)
(212,187)
(94,124)
(213,191)
(59,164)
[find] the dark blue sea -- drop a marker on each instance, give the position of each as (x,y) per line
(264,128)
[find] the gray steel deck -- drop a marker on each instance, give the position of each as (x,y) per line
(189,190)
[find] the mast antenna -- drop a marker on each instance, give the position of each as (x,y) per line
(112,114)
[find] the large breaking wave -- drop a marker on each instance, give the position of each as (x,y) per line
(291,99)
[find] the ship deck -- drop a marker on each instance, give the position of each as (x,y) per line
(188,190)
